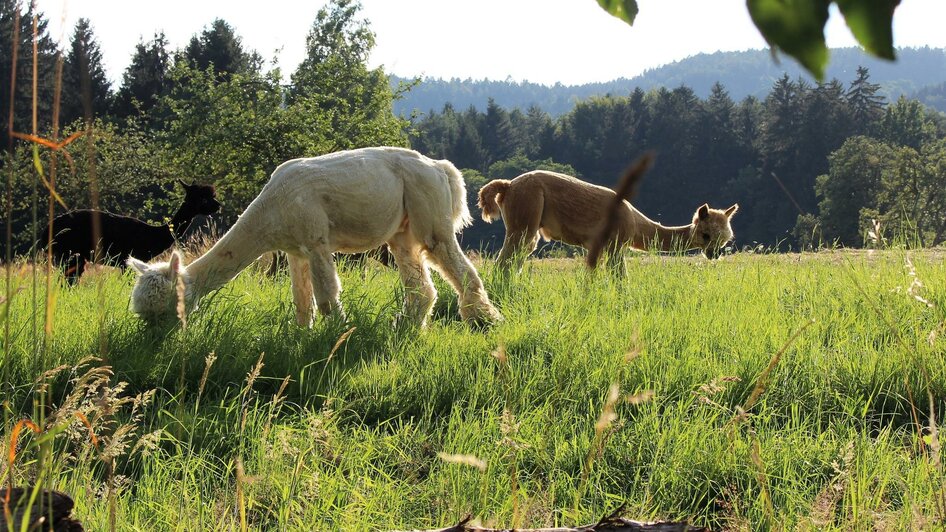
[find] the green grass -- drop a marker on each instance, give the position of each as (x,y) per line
(352,441)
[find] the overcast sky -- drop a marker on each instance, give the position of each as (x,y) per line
(544,41)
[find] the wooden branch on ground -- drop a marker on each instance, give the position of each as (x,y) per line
(611,523)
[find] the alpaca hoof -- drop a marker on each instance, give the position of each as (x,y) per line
(404,322)
(483,318)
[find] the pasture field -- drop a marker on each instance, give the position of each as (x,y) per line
(755,392)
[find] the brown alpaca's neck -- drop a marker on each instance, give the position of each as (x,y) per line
(181,221)
(647,234)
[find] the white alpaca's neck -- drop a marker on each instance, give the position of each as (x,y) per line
(235,250)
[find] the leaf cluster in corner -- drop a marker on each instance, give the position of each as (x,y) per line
(797,26)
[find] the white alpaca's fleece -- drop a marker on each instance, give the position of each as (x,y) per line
(345,202)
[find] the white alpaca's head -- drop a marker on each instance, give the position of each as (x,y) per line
(154,297)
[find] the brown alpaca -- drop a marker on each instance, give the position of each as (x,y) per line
(563,208)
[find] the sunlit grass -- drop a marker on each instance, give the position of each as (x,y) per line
(367,438)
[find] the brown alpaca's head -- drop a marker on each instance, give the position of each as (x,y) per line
(202,199)
(711,230)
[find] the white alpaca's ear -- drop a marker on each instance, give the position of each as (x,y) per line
(137,265)
(732,210)
(175,266)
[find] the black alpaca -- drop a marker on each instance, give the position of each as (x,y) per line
(122,236)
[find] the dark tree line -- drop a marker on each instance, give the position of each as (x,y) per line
(209,112)
(766,154)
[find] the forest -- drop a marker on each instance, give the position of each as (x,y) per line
(811,164)
(918,73)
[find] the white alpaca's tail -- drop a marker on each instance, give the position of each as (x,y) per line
(461,212)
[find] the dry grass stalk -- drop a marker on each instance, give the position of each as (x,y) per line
(181,308)
(208,362)
(916,284)
(463,459)
(626,190)
(338,343)
(763,379)
(248,390)
(755,454)
(240,509)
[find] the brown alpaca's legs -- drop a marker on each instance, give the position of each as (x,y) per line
(419,292)
(300,275)
(450,261)
(516,248)
(325,284)
(523,217)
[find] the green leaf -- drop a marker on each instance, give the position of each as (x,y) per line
(625,10)
(871,22)
(796,27)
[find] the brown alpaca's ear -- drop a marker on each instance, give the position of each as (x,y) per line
(732,210)
(703,212)
(182,183)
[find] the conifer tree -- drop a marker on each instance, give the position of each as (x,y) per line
(86,91)
(219,46)
(46,68)
(145,80)
(866,105)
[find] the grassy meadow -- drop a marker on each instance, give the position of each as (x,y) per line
(758,391)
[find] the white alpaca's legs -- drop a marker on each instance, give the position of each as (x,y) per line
(450,261)
(325,284)
(300,275)
(419,292)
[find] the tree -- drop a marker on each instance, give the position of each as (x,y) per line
(219,46)
(46,65)
(912,200)
(86,91)
(334,81)
(866,105)
(853,182)
(145,80)
(497,133)
(908,123)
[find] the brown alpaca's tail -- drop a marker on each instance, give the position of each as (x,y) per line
(491,195)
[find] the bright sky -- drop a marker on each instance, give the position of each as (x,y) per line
(544,41)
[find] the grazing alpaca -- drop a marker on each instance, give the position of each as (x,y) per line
(123,236)
(349,201)
(560,207)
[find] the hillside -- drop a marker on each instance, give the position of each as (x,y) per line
(744,73)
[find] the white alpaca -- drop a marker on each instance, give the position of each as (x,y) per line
(348,201)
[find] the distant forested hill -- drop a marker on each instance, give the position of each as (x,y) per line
(933,96)
(742,73)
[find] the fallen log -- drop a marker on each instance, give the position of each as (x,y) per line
(611,523)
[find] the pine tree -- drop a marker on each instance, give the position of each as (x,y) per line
(46,65)
(219,46)
(86,91)
(145,80)
(497,134)
(866,105)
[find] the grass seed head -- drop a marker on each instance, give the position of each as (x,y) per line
(463,459)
